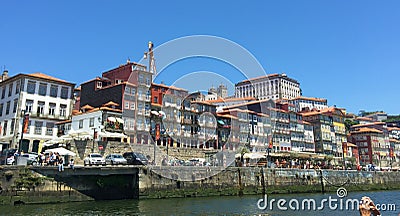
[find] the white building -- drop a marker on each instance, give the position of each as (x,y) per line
(102,124)
(45,99)
(310,103)
(274,86)
(309,137)
(221,103)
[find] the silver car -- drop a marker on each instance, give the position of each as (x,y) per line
(115,159)
(95,159)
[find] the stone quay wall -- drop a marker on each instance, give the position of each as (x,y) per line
(164,182)
(19,185)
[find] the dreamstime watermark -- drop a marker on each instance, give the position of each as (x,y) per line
(340,203)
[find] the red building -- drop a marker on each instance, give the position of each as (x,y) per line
(371,146)
(129,86)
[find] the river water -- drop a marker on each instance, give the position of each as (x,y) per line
(234,205)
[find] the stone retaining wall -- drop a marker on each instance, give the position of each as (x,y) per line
(160,182)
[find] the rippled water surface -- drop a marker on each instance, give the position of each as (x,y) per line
(246,205)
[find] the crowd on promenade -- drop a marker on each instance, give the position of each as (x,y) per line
(45,159)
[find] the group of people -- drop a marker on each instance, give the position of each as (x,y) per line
(55,159)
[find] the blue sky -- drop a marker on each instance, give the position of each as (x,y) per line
(345,51)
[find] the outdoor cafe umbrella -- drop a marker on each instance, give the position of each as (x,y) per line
(61,151)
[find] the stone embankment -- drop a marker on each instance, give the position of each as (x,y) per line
(164,182)
(25,184)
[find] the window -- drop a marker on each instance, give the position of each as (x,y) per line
(3,92)
(133,91)
(126,105)
(31,87)
(10,88)
(1,109)
(15,105)
(52,109)
(127,90)
(64,92)
(53,91)
(132,105)
(28,106)
(29,125)
(42,89)
(80,123)
(8,108)
(17,87)
(141,79)
(63,110)
(155,99)
(38,127)
(148,81)
(140,93)
(40,108)
(91,122)
(5,128)
(99,84)
(49,128)
(12,126)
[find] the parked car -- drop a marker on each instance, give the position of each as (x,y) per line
(11,160)
(115,159)
(135,158)
(32,158)
(94,159)
(7,156)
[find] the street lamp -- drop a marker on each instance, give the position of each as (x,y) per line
(94,138)
(344,151)
(25,121)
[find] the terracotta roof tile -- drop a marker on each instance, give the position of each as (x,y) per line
(110,103)
(369,124)
(394,140)
(44,76)
(367,130)
(231,99)
(309,98)
(393,128)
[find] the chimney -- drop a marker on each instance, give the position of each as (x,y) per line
(4,76)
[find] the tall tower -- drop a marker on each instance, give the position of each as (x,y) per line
(222,91)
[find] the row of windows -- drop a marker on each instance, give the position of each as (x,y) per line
(10,89)
(91,122)
(39,127)
(8,107)
(47,89)
(51,108)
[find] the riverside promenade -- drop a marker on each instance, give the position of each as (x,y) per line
(21,184)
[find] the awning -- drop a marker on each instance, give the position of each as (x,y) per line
(54,141)
(221,122)
(111,119)
(77,133)
(255,155)
(112,135)
(351,145)
(154,112)
(119,120)
(162,114)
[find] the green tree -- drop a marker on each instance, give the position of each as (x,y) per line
(348,123)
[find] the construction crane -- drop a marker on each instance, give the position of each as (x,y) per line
(150,56)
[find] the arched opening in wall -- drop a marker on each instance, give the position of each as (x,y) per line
(35,146)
